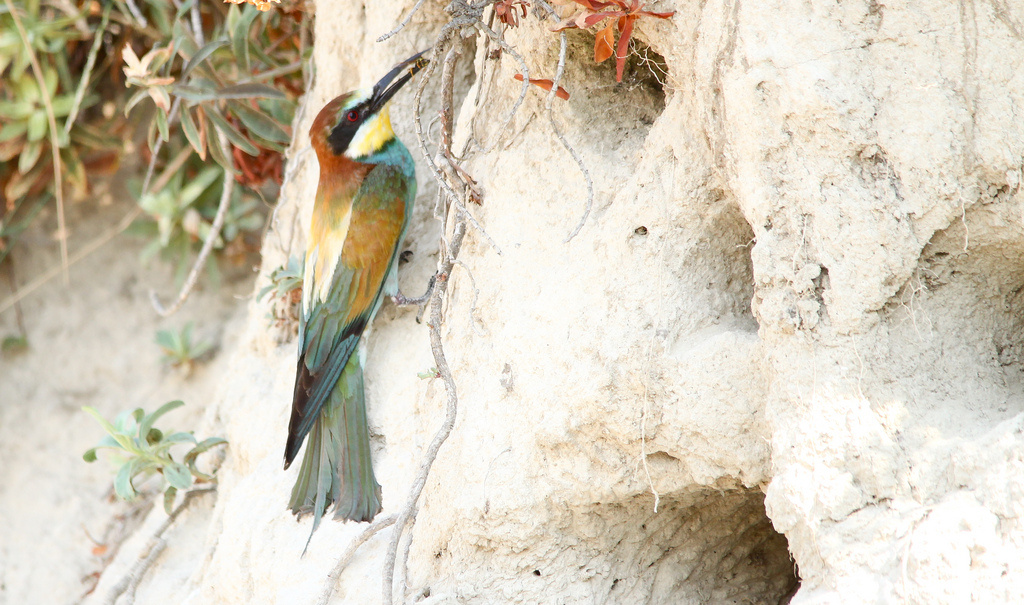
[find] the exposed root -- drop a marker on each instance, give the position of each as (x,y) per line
(128,584)
(455,215)
(524,69)
(444,39)
(456,189)
(558,131)
(369,532)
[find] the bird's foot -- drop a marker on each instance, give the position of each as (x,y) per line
(420,301)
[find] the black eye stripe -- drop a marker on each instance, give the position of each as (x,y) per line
(341,135)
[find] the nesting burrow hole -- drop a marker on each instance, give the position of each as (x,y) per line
(708,547)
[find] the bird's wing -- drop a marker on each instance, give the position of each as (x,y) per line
(333,324)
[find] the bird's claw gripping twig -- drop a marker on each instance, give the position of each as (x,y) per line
(401,300)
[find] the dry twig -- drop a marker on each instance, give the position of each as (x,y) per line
(404,22)
(447,32)
(523,68)
(211,238)
(134,10)
(155,153)
(128,584)
(446,259)
(369,532)
(404,566)
(90,63)
(558,132)
(98,243)
(197,25)
(568,147)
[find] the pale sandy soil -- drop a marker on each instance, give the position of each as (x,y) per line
(90,343)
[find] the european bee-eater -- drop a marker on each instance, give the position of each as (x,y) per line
(361,212)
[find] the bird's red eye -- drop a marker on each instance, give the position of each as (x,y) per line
(352,115)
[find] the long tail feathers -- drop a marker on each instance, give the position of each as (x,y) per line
(336,467)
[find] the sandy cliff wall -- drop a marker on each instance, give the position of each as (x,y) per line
(794,314)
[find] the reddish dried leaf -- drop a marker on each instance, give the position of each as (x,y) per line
(604,45)
(594,19)
(11,149)
(596,5)
(620,55)
(102,163)
(506,11)
(546,85)
(624,18)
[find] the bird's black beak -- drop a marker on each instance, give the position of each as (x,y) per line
(385,88)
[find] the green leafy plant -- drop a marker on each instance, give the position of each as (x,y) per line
(60,39)
(179,348)
(143,449)
(225,92)
(181,217)
(176,218)
(285,290)
(285,282)
(228,96)
(13,344)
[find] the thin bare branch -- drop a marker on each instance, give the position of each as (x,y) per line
(493,35)
(353,546)
(211,238)
(441,45)
(58,179)
(155,153)
(155,550)
(483,51)
(169,170)
(565,143)
(404,22)
(446,259)
(172,168)
(403,568)
(558,132)
(134,10)
(154,547)
(75,13)
(451,410)
(197,24)
(447,32)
